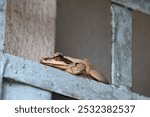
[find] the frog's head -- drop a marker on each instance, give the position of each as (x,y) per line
(57,59)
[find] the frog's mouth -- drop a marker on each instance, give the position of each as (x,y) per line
(57,61)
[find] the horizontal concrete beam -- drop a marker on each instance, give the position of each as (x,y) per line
(140,5)
(51,79)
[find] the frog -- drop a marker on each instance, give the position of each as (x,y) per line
(75,66)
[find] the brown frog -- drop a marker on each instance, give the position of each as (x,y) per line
(74,66)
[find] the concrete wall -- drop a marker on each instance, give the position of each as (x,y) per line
(84,30)
(141,53)
(30,33)
(30,28)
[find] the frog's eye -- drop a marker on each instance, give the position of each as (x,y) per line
(58,54)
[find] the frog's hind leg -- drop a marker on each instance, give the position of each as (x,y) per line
(98,76)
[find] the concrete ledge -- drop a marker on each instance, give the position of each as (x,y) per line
(51,79)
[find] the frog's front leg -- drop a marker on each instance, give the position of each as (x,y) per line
(77,69)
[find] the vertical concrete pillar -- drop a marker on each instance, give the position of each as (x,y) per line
(121,46)
(2,36)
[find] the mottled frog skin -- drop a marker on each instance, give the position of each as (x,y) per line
(74,66)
